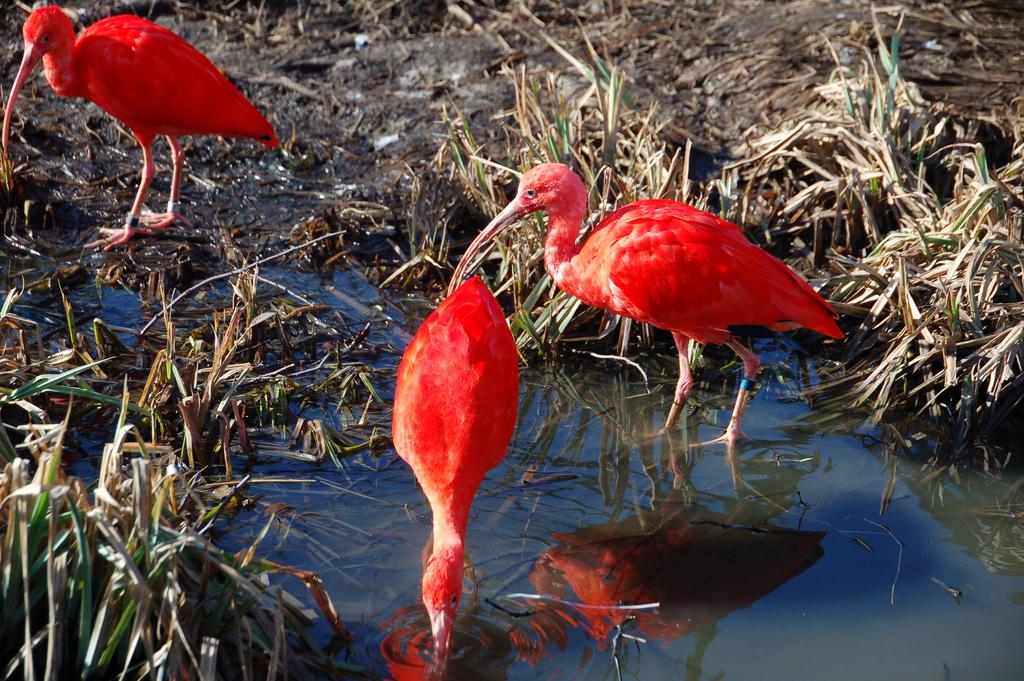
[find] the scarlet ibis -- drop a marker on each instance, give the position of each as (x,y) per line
(149,78)
(668,264)
(455,408)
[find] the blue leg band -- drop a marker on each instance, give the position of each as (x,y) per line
(747,384)
(131,222)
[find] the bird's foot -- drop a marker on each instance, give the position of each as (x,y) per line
(732,435)
(146,224)
(160,220)
(118,237)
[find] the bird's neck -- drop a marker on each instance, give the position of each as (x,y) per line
(560,247)
(450,507)
(450,531)
(58,64)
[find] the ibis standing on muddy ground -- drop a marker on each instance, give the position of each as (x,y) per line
(455,409)
(669,265)
(147,77)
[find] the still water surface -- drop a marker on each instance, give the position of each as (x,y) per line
(769,562)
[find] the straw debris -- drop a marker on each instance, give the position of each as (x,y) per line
(922,236)
(893,196)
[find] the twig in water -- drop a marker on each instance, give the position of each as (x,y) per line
(237,270)
(584,606)
(512,613)
(357,339)
(956,593)
(528,479)
(899,558)
(627,361)
(302,299)
(529,519)
(615,652)
(620,634)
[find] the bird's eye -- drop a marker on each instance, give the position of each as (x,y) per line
(530,193)
(46,38)
(454,598)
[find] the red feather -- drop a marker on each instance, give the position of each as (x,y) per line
(455,408)
(667,264)
(158,84)
(682,269)
(457,393)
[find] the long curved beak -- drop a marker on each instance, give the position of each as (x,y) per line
(28,62)
(441,626)
(502,220)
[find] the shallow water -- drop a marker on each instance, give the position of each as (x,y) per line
(771,561)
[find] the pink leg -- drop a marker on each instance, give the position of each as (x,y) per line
(116,237)
(134,223)
(173,214)
(751,365)
(685,382)
(178,158)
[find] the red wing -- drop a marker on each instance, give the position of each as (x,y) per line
(155,81)
(458,390)
(686,270)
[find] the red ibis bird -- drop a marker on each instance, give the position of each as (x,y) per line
(669,265)
(455,408)
(149,78)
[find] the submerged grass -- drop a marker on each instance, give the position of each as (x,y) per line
(211,374)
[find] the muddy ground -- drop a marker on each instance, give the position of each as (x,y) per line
(355,91)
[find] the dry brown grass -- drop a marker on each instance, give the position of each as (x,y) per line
(922,235)
(892,194)
(119,579)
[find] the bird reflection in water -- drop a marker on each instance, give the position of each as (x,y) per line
(697,565)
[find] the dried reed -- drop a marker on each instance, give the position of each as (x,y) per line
(923,237)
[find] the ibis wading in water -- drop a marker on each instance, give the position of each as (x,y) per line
(455,408)
(669,265)
(147,77)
